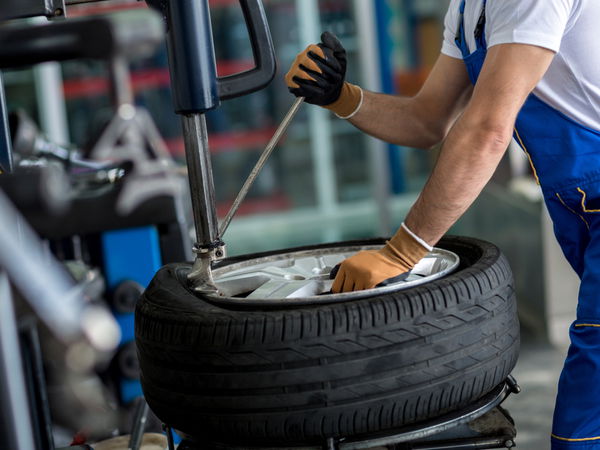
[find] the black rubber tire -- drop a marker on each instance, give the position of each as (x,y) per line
(302,374)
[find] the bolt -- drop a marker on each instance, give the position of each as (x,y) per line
(509,443)
(58,12)
(513,385)
(219,253)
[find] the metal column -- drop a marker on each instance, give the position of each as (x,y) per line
(372,76)
(16,430)
(196,90)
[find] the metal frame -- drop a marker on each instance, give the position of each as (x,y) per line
(371,73)
(16,429)
(319,127)
(15,9)
(33,367)
(414,435)
(59,303)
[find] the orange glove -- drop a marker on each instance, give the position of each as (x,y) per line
(318,73)
(367,269)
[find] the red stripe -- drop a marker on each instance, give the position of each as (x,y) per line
(276,202)
(223,142)
(100,8)
(103,8)
(141,80)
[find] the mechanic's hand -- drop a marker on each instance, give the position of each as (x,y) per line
(318,73)
(367,269)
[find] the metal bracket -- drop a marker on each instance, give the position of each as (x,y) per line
(200,276)
(16,429)
(15,9)
(139,425)
(169,432)
(513,385)
(441,433)
(331,444)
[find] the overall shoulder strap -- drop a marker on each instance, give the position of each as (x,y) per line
(461,38)
(480,29)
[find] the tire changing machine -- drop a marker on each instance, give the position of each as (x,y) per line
(196,90)
(481,425)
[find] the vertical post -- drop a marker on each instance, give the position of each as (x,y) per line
(50,99)
(202,190)
(386,51)
(139,425)
(372,74)
(5,144)
(16,430)
(120,82)
(309,27)
(197,157)
(33,366)
(194,83)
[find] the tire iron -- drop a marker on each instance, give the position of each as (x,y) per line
(260,164)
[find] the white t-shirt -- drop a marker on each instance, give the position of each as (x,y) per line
(568,27)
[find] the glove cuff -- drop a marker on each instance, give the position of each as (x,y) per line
(348,103)
(406,248)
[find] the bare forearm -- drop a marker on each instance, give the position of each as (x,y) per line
(396,120)
(467,162)
(421,121)
(478,140)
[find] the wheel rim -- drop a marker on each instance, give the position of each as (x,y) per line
(302,277)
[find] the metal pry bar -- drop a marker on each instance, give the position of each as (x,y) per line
(260,164)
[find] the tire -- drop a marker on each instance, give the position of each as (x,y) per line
(300,375)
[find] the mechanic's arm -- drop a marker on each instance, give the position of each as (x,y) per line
(318,74)
(469,157)
(478,140)
(421,121)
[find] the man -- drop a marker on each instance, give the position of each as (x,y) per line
(527,68)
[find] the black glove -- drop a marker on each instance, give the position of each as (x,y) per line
(318,72)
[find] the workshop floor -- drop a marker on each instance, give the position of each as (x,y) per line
(537,372)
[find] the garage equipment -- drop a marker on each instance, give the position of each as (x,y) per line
(13,9)
(127,205)
(482,425)
(196,90)
(55,299)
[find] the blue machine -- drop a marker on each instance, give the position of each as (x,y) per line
(130,256)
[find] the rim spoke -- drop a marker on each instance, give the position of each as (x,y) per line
(314,266)
(305,274)
(236,285)
(281,289)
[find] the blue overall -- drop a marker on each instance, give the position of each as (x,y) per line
(565,157)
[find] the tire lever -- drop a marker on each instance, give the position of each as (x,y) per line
(260,164)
